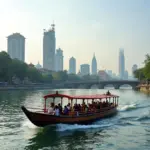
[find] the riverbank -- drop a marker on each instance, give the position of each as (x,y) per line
(144,88)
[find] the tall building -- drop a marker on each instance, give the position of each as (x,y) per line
(126,75)
(121,63)
(94,66)
(134,68)
(59,60)
(85,69)
(16,46)
(49,44)
(72,65)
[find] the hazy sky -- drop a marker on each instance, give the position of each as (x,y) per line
(82,28)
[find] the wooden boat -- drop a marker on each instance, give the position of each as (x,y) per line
(43,118)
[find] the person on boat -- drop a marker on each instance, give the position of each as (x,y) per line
(57,113)
(68,106)
(51,109)
(66,111)
(108,93)
(60,108)
(83,106)
(79,107)
(75,107)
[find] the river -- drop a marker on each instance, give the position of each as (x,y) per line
(128,130)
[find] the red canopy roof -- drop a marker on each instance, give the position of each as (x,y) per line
(97,96)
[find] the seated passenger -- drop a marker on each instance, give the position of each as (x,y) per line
(51,109)
(60,108)
(79,107)
(57,111)
(75,107)
(66,111)
(68,106)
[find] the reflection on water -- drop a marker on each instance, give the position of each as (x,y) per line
(129,129)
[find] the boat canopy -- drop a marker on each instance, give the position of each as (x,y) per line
(97,96)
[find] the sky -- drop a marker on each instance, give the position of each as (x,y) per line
(83,27)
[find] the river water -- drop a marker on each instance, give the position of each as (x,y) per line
(128,130)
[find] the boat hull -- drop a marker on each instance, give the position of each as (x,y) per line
(44,119)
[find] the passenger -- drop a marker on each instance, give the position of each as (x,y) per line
(75,107)
(51,109)
(68,106)
(79,107)
(66,111)
(60,108)
(108,93)
(57,111)
(107,104)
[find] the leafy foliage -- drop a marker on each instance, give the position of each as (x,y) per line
(144,73)
(15,68)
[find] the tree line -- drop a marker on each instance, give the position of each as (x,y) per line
(144,72)
(14,68)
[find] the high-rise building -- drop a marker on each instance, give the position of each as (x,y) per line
(59,60)
(121,63)
(16,46)
(72,65)
(85,69)
(49,44)
(94,66)
(126,75)
(134,68)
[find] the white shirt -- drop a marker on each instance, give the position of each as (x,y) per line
(68,107)
(50,110)
(57,112)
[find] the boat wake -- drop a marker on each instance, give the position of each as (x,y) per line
(128,107)
(66,127)
(29,125)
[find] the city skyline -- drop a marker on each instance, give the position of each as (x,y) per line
(88,30)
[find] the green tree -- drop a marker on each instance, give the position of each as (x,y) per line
(47,78)
(147,59)
(139,73)
(5,62)
(73,77)
(19,69)
(33,74)
(60,75)
(147,70)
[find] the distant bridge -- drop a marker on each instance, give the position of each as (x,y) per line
(102,84)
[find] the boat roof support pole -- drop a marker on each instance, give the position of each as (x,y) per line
(61,102)
(45,105)
(71,104)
